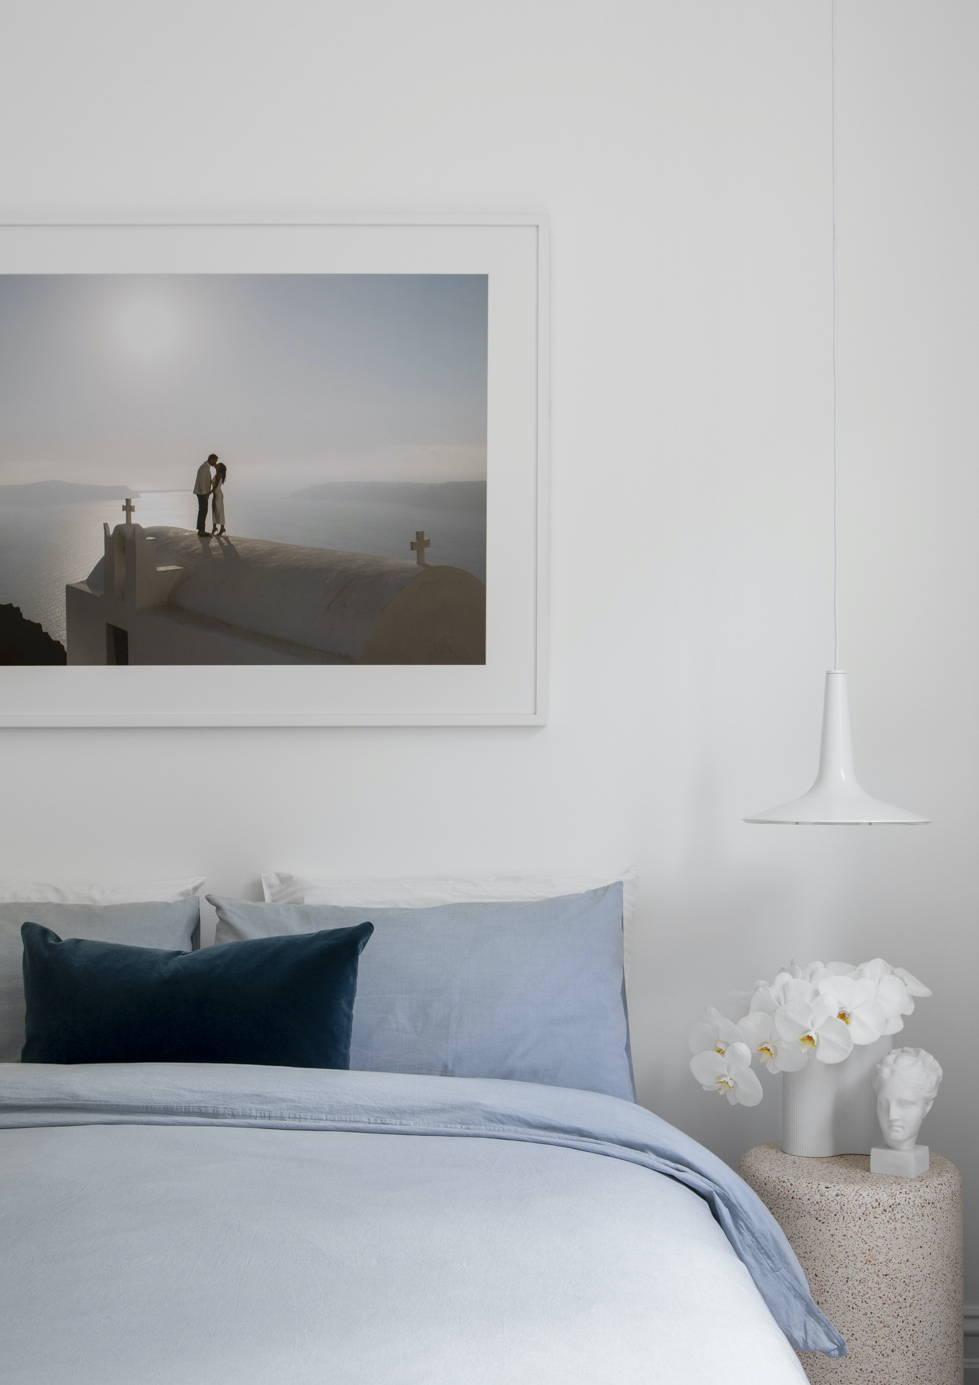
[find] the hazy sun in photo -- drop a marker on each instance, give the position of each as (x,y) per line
(146,324)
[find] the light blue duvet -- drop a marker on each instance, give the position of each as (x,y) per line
(167,1223)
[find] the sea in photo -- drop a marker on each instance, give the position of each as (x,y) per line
(44,546)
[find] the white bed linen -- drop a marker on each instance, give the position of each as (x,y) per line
(48,892)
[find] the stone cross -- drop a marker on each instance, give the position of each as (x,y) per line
(418,546)
(129,509)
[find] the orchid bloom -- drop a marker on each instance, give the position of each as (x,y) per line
(893,994)
(915,987)
(808,1019)
(729,1074)
(839,969)
(857,1003)
(819,1009)
(806,971)
(759,1033)
(715,1031)
(769,995)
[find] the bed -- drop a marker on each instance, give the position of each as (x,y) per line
(248,1224)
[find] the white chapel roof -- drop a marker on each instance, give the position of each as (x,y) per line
(324,599)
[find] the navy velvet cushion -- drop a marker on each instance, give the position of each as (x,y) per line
(288,1002)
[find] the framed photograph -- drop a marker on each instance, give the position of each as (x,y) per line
(273,472)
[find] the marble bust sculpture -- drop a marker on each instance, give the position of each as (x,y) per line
(906,1082)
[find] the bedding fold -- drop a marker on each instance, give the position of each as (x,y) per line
(49,1095)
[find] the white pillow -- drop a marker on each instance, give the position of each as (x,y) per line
(407,891)
(42,892)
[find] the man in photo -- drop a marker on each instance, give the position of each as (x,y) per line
(202,489)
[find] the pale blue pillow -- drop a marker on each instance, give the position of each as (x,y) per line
(531,991)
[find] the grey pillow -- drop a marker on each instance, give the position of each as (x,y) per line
(531,991)
(174,926)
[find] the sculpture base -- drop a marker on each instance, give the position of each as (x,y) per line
(900,1163)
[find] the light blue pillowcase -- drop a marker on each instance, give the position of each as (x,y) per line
(531,991)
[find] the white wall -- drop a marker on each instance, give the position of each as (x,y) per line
(682,152)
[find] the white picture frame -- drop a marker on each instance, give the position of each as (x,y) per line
(509,689)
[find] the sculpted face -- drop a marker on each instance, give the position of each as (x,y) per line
(900,1110)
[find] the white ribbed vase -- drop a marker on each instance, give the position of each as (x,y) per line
(830,1108)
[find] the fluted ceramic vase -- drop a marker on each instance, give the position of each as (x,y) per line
(830,1108)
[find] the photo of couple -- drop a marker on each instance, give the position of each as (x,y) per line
(353,410)
(208,487)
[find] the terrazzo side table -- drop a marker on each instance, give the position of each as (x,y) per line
(883,1257)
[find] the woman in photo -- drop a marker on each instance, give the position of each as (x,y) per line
(217,499)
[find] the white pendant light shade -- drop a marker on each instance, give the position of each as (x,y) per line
(836,797)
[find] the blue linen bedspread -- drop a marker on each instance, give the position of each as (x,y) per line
(213,1095)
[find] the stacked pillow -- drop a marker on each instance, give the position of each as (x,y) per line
(526,988)
(146,924)
(281,1001)
(530,990)
(48,892)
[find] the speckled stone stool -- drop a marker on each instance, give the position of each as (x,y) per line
(884,1260)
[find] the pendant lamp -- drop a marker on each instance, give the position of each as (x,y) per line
(836,797)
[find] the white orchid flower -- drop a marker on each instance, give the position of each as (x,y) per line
(808,1020)
(715,1031)
(797,991)
(729,1074)
(915,987)
(806,971)
(764,999)
(809,1008)
(875,968)
(896,1002)
(759,1033)
(893,995)
(769,995)
(857,1003)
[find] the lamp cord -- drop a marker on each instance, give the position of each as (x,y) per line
(836,421)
